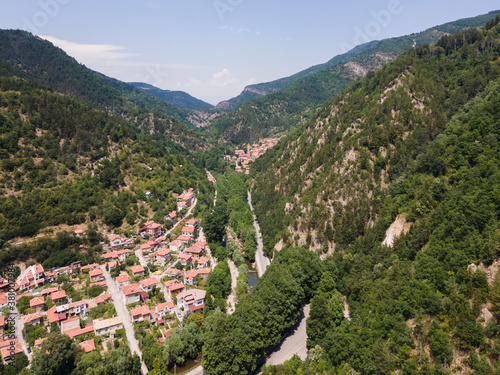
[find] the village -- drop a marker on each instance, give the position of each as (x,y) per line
(153,286)
(253,151)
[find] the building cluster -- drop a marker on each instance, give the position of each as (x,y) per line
(250,152)
(182,265)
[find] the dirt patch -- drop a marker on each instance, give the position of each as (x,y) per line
(399,226)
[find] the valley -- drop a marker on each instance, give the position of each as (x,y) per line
(342,220)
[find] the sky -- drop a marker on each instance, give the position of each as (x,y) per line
(212,49)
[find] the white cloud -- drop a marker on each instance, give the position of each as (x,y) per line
(223,78)
(90,53)
(239,30)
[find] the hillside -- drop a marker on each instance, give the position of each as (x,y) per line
(52,67)
(415,143)
(294,104)
(180,99)
(63,162)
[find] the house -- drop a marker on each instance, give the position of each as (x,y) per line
(185,239)
(70,324)
(113,264)
(58,296)
(164,309)
(48,291)
(172,217)
(38,343)
(75,332)
(90,267)
(123,254)
(172,272)
(186,197)
(203,273)
(201,244)
(74,265)
(54,316)
(103,299)
(107,326)
(204,262)
(162,257)
(141,314)
(112,256)
(123,279)
(151,228)
(9,349)
(185,259)
(195,252)
(31,277)
(100,283)
(174,287)
(177,245)
(189,231)
(132,293)
(148,284)
(34,318)
(191,277)
(137,270)
(79,232)
(115,241)
(77,308)
(2,324)
(193,299)
(96,275)
(195,223)
(181,206)
(37,303)
(87,346)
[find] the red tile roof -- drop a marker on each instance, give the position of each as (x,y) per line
(131,289)
(137,269)
(88,345)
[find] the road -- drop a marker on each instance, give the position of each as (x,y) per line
(294,343)
(232,299)
(261,260)
(19,334)
(122,311)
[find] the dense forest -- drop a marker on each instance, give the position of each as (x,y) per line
(52,67)
(324,182)
(429,304)
(61,162)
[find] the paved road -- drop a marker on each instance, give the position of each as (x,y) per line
(294,343)
(121,309)
(261,260)
(19,334)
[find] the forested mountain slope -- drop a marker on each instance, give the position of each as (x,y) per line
(294,104)
(424,145)
(180,99)
(328,179)
(63,162)
(52,67)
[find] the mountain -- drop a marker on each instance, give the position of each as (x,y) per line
(63,162)
(52,67)
(294,104)
(261,89)
(400,176)
(180,99)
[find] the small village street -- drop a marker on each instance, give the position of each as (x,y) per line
(123,313)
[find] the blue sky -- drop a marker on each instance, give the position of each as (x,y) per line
(214,48)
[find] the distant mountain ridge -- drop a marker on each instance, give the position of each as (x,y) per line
(50,66)
(178,98)
(294,104)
